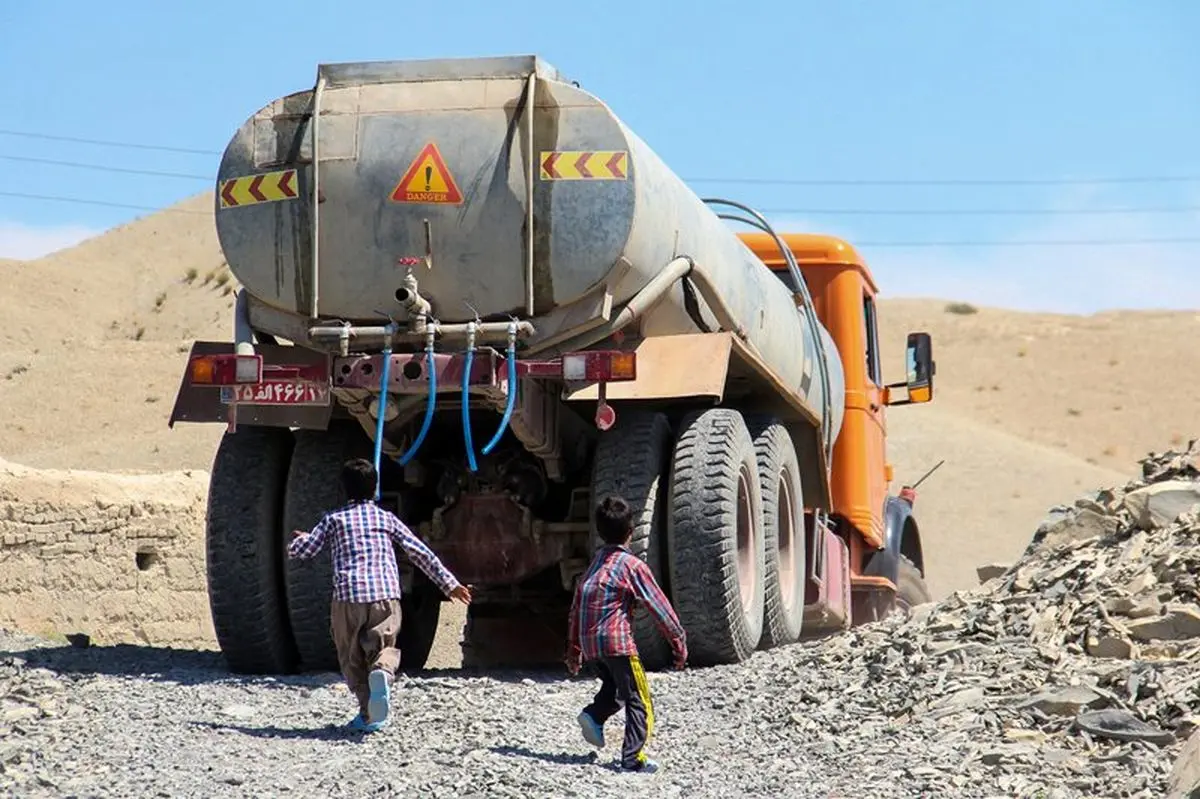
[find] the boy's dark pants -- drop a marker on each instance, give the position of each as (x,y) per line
(623,682)
(365,636)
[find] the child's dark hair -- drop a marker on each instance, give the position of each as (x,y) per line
(358,479)
(614,520)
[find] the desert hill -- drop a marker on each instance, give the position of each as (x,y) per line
(95,339)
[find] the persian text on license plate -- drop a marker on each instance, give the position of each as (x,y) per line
(281,392)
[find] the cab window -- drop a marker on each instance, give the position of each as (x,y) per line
(871,336)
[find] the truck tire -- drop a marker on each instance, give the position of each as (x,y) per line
(313,489)
(911,589)
(420,611)
(714,537)
(784,544)
(631,461)
(244,551)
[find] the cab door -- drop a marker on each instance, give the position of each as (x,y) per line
(875,434)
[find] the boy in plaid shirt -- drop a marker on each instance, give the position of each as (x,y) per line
(601,634)
(365,611)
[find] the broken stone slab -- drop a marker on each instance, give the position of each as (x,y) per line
(991,571)
(1185,775)
(1120,725)
(1067,701)
(1136,608)
(1107,646)
(1177,622)
(1078,528)
(1160,504)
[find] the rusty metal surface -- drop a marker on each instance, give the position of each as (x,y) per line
(377,118)
(683,365)
(488,539)
(203,403)
(828,606)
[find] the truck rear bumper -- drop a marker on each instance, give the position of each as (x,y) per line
(306,405)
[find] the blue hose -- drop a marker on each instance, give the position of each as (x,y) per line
(466,409)
(510,402)
(429,405)
(383,395)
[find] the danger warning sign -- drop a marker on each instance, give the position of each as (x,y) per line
(427,181)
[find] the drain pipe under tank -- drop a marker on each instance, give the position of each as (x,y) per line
(243,334)
(678,269)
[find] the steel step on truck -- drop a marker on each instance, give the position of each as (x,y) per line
(471,271)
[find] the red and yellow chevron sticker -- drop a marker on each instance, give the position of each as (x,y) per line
(268,187)
(584,165)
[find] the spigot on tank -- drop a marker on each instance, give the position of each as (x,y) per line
(472,326)
(410,298)
(344,339)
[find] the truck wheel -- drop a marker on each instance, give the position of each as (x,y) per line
(785,556)
(420,611)
(714,537)
(313,489)
(631,461)
(244,551)
(911,589)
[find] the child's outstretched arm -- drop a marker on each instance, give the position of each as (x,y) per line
(426,560)
(306,545)
(645,587)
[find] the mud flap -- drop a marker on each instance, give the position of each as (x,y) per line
(208,404)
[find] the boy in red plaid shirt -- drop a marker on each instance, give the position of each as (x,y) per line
(365,609)
(601,634)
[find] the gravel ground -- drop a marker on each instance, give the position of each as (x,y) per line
(130,721)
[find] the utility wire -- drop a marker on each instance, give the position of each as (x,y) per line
(1185,209)
(106,143)
(949,181)
(811,211)
(728,179)
(859,244)
(105,167)
(105,203)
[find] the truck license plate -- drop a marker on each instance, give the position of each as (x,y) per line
(277,392)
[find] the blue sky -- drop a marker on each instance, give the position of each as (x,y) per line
(795,90)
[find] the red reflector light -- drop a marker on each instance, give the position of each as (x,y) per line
(226,370)
(607,365)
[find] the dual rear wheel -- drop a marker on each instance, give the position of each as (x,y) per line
(718,517)
(271,614)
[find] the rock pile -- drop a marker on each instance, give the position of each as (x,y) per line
(1077,669)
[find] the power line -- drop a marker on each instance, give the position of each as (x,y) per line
(859,244)
(1135,179)
(105,167)
(107,143)
(977,211)
(106,203)
(948,181)
(807,211)
(1028,243)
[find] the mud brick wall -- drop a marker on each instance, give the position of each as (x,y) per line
(118,557)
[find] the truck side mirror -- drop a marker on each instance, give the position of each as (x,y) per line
(919,371)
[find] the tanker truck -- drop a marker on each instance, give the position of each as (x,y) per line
(473,273)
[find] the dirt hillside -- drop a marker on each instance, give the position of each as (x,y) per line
(95,340)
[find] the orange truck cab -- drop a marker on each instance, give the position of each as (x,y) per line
(878,528)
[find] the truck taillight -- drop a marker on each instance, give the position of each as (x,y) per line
(607,365)
(226,370)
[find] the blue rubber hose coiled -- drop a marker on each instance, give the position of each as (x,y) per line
(510,402)
(380,411)
(466,409)
(429,405)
